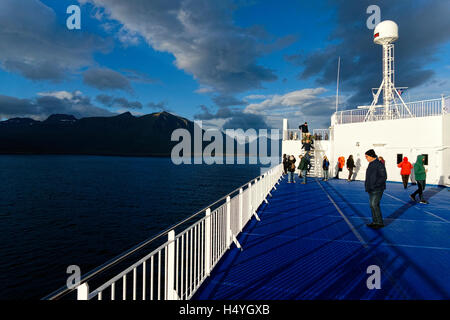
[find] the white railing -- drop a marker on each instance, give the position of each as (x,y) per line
(321,134)
(296,134)
(292,134)
(177,268)
(424,108)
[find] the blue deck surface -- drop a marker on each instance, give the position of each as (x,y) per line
(313,243)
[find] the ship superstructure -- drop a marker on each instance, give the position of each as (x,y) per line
(394,129)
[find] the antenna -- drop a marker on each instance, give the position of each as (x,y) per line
(337,86)
(385,34)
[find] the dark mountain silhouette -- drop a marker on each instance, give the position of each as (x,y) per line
(124,134)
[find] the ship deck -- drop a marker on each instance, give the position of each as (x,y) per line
(313,243)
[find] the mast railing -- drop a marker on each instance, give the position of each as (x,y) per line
(424,108)
(178,267)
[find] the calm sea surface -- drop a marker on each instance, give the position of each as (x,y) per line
(57,211)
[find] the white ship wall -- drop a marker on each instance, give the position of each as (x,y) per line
(410,137)
(446,149)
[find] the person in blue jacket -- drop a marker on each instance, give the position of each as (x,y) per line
(325,167)
(375,185)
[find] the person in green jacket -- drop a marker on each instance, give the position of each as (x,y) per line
(420,174)
(304,166)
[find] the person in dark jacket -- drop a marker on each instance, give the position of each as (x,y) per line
(350,167)
(307,146)
(291,169)
(375,185)
(420,173)
(325,166)
(304,167)
(304,129)
(285,164)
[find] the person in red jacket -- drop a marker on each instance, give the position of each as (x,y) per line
(341,163)
(406,171)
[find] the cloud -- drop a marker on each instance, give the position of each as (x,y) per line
(227,101)
(267,111)
(232,118)
(35,45)
(423,29)
(113,102)
(204,90)
(137,76)
(106,79)
(255,97)
(299,99)
(47,103)
(246,121)
(311,104)
(202,37)
(158,106)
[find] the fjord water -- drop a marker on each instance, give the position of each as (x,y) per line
(57,211)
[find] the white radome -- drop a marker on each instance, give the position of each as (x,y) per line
(385,32)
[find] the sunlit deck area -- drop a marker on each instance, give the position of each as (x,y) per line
(313,243)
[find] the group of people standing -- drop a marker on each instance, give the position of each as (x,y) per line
(376,176)
(304,166)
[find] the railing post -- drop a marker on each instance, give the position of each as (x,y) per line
(208,242)
(170,289)
(249,208)
(442,104)
(241,209)
(228,222)
(83,292)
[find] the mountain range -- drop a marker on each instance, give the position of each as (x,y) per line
(124,134)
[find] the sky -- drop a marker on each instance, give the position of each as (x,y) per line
(233,64)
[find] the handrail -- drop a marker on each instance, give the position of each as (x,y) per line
(422,108)
(57,294)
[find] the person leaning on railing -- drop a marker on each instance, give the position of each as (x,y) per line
(304,129)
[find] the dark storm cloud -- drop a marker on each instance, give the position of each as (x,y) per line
(106,79)
(423,28)
(202,37)
(34,45)
(46,104)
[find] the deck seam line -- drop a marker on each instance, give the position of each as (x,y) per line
(352,228)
